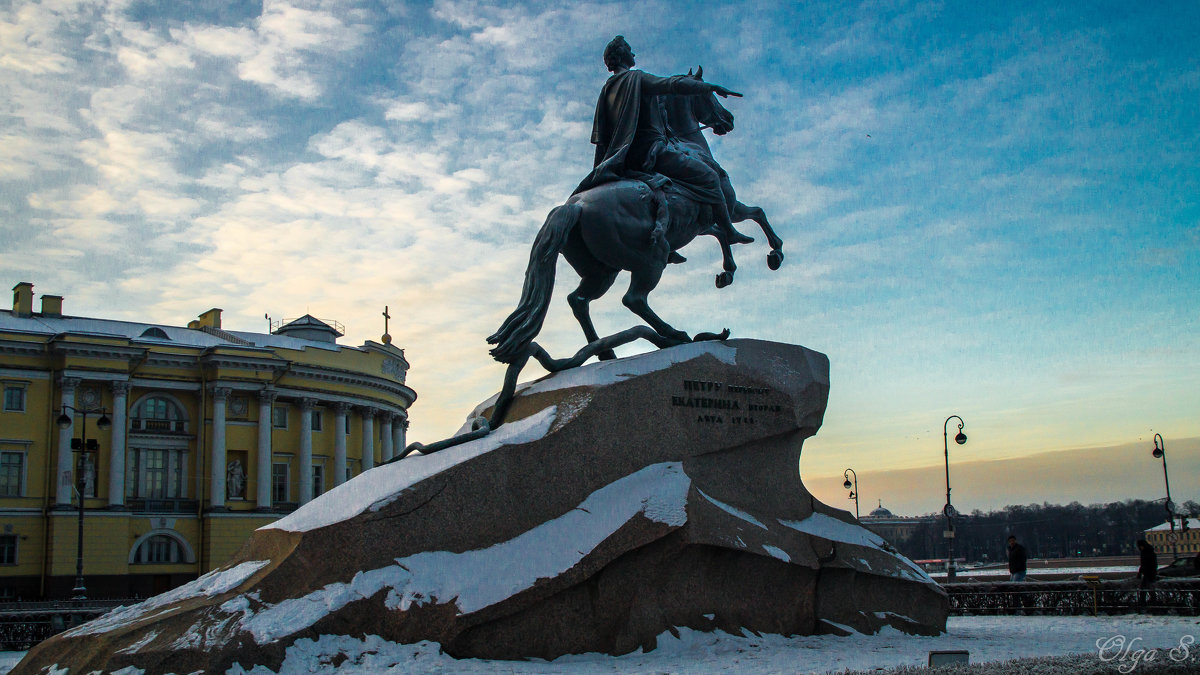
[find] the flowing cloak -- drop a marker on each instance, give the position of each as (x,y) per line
(615,130)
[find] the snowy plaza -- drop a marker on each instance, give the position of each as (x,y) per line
(987,639)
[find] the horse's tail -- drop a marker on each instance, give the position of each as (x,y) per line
(525,322)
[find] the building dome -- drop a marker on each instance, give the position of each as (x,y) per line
(881,512)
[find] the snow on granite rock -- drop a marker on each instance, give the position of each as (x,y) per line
(621,500)
(212,584)
(473,580)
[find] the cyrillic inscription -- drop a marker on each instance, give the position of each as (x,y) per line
(721,398)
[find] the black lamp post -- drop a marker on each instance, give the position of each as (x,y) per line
(84,445)
(1160,451)
(852,487)
(948,511)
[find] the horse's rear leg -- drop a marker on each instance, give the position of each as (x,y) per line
(743,212)
(590,288)
(725,278)
(641,282)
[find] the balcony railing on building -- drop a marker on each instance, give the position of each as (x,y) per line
(158,426)
(142,505)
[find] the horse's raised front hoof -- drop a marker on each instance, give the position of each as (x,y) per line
(724,279)
(775,259)
(606,355)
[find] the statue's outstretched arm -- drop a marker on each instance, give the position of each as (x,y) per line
(723,92)
(681,85)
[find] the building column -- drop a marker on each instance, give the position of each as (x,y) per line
(216,496)
(266,402)
(116,462)
(385,437)
(399,425)
(306,483)
(62,494)
(339,443)
(368,438)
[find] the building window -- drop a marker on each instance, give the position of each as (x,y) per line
(12,474)
(316,420)
(158,414)
(8,549)
(156,473)
(14,399)
(347,418)
(279,483)
(159,549)
(279,416)
(318,475)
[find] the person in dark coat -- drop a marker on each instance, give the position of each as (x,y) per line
(1148,570)
(1017,559)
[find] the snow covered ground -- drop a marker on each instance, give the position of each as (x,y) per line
(1034,573)
(988,639)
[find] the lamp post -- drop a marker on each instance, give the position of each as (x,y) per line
(948,511)
(1160,451)
(84,445)
(852,487)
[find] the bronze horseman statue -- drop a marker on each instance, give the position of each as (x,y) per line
(654,187)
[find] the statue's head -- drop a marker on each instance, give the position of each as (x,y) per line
(618,53)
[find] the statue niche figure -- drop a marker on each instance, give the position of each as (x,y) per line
(235,480)
(654,188)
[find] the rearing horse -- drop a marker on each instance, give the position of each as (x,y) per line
(624,225)
(687,117)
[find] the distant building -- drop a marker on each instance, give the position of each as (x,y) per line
(213,433)
(897,530)
(1188,537)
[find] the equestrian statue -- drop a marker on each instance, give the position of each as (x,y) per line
(653,188)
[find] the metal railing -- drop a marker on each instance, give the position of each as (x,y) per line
(24,624)
(1169,596)
(162,505)
(160,426)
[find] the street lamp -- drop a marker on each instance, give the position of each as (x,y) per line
(852,487)
(1160,452)
(948,511)
(84,445)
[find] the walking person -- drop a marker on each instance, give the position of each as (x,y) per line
(1016,560)
(1147,572)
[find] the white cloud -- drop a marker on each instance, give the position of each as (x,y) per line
(335,158)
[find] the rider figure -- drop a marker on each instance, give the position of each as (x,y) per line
(630,134)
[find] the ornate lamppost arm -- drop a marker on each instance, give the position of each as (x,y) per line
(946,446)
(853,487)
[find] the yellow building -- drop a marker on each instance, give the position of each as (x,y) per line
(204,435)
(1185,540)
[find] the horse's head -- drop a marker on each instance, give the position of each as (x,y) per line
(709,111)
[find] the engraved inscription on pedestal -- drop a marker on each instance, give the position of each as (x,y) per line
(725,403)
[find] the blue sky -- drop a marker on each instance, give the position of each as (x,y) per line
(988,211)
